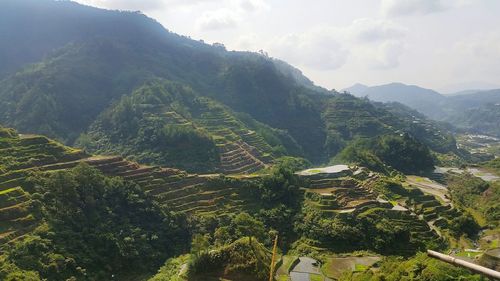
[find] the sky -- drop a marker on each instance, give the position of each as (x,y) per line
(445,45)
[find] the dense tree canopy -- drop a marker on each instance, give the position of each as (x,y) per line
(400,152)
(91,221)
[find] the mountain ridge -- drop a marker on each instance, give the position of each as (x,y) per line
(126,146)
(63,94)
(443,108)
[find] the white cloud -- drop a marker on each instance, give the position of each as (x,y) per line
(234,12)
(372,43)
(370,30)
(479,54)
(247,42)
(385,55)
(218,19)
(396,8)
(253,5)
(318,49)
(409,7)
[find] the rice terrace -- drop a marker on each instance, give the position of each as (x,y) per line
(238,151)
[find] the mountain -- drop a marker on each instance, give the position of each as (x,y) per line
(31,29)
(475,99)
(93,85)
(194,133)
(424,100)
(476,113)
(464,92)
(473,110)
(466,86)
(61,95)
(356,89)
(157,148)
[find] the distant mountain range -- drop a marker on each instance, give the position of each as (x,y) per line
(476,111)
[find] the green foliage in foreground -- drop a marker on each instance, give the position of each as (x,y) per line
(418,268)
(400,152)
(281,185)
(244,260)
(172,270)
(94,227)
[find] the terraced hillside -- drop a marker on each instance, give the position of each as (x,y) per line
(175,189)
(351,197)
(347,117)
(18,156)
(167,124)
(431,201)
(342,193)
(356,193)
(241,150)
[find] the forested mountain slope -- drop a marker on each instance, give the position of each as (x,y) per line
(168,124)
(477,113)
(64,93)
(158,148)
(79,86)
(31,29)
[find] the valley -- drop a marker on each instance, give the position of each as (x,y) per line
(129,152)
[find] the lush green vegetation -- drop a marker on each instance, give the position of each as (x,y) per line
(402,153)
(419,267)
(493,165)
(243,259)
(134,89)
(473,193)
(66,203)
(347,118)
(101,87)
(23,152)
(132,129)
(376,229)
(168,124)
(93,227)
(476,113)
